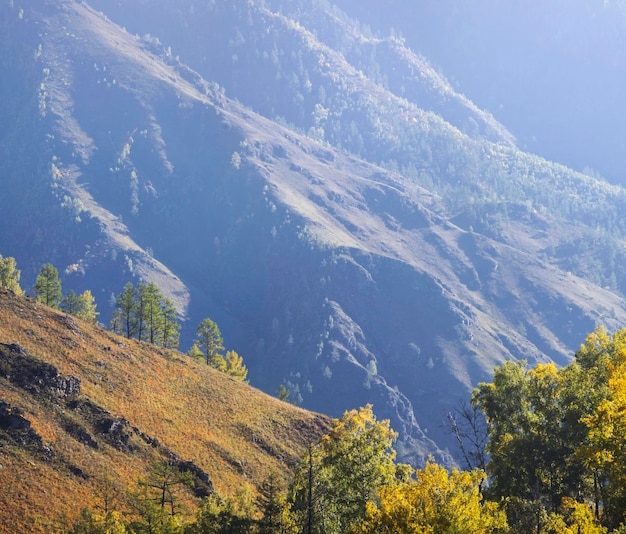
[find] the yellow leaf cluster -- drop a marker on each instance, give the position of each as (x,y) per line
(435,501)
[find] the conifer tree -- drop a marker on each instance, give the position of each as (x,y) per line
(150,298)
(140,310)
(124,321)
(270,503)
(70,303)
(170,330)
(48,286)
(82,306)
(209,342)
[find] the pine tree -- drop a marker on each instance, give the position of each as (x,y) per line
(124,319)
(140,309)
(152,320)
(270,503)
(209,342)
(170,330)
(48,286)
(70,303)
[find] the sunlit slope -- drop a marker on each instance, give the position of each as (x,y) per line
(136,405)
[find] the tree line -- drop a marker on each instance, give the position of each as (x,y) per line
(48,290)
(348,482)
(140,312)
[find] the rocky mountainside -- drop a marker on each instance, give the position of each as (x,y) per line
(80,407)
(553,72)
(360,231)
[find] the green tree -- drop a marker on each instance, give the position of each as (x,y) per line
(70,303)
(334,484)
(144,312)
(271,503)
(283,393)
(156,501)
(149,302)
(559,434)
(10,275)
(82,306)
(87,307)
(150,517)
(142,297)
(124,320)
(163,481)
(209,342)
(306,500)
(170,330)
(48,286)
(533,457)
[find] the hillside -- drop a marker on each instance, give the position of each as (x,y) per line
(79,405)
(361,232)
(552,72)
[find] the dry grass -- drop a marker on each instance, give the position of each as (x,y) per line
(233,432)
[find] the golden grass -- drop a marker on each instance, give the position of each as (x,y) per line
(232,431)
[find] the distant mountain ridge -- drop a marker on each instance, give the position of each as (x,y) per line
(368,236)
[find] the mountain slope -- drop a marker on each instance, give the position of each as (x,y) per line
(346,281)
(552,72)
(78,405)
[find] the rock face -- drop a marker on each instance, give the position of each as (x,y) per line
(347,282)
(34,375)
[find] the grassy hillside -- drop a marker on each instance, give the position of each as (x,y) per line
(136,405)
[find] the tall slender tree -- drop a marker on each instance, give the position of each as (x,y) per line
(124,316)
(170,331)
(270,503)
(152,319)
(48,286)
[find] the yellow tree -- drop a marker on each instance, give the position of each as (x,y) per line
(435,502)
(575,518)
(606,447)
(235,366)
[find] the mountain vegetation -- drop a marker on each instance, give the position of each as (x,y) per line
(361,231)
(93,421)
(96,437)
(553,74)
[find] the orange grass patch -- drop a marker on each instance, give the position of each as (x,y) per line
(234,432)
